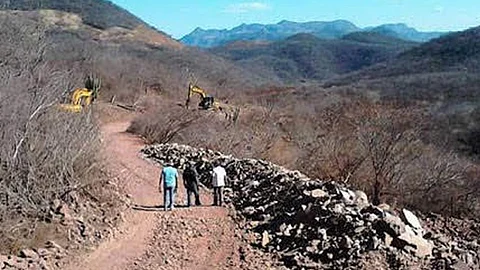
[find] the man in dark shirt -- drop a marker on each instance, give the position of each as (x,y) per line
(190,181)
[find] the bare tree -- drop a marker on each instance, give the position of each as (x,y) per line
(45,153)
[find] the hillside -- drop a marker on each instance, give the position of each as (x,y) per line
(131,60)
(378,38)
(454,53)
(97,13)
(441,74)
(106,19)
(101,14)
(306,57)
(405,32)
(129,68)
(275,32)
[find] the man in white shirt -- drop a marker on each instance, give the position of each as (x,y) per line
(218,182)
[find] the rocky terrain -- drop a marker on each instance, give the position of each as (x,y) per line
(313,224)
(86,225)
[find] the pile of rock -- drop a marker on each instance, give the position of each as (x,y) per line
(456,241)
(316,224)
(42,259)
(85,224)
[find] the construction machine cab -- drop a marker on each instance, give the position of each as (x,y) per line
(206,101)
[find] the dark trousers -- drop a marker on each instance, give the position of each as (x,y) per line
(190,192)
(168,197)
(218,196)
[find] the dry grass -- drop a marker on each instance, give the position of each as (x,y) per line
(376,147)
(45,154)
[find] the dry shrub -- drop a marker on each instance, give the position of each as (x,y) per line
(379,149)
(376,147)
(246,137)
(45,154)
(163,125)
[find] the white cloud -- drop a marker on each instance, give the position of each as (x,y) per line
(246,7)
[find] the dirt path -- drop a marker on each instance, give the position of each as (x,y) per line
(187,238)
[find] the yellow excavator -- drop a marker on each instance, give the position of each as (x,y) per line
(83,97)
(206,101)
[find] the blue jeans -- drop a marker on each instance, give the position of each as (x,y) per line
(168,197)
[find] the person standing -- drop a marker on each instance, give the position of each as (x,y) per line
(190,181)
(169,177)
(219,175)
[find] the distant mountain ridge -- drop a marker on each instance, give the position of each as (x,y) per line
(403,31)
(455,52)
(307,57)
(274,32)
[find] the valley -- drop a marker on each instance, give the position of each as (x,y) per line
(333,137)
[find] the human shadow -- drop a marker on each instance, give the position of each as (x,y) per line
(153,208)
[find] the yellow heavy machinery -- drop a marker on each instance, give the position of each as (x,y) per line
(83,97)
(206,101)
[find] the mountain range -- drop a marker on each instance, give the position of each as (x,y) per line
(450,54)
(307,57)
(274,32)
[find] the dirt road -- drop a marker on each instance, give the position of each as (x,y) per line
(188,238)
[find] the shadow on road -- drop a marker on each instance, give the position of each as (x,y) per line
(153,208)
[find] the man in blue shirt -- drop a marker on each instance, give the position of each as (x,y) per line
(169,177)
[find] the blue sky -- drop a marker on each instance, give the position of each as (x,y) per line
(180,17)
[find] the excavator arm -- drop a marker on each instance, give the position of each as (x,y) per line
(206,102)
(82,97)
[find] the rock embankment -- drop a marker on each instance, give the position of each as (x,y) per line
(85,224)
(313,224)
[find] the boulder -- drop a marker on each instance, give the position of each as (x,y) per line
(411,219)
(29,254)
(419,246)
(361,199)
(319,193)
(348,196)
(265,239)
(391,225)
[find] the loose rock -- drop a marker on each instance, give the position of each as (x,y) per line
(313,223)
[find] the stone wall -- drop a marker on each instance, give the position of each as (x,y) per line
(313,224)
